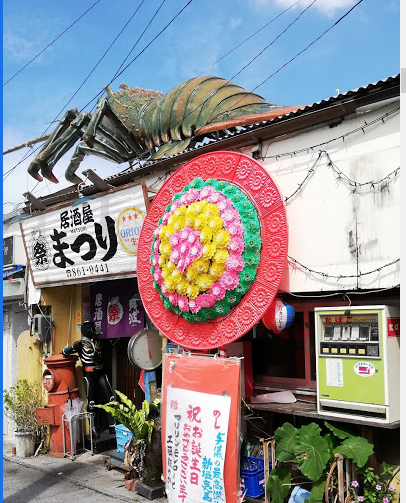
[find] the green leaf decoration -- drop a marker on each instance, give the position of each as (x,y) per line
(278,484)
(314,455)
(286,442)
(356,448)
(339,432)
(317,490)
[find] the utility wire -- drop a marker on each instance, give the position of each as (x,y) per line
(248,38)
(117,75)
(145,48)
(49,45)
(300,52)
(74,94)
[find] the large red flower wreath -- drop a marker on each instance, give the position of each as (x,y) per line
(256,183)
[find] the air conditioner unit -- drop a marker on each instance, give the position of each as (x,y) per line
(41,327)
(13,251)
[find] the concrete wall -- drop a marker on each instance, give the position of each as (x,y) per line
(334,227)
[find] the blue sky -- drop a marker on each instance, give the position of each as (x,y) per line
(363,48)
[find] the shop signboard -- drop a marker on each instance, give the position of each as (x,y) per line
(116,308)
(200,428)
(85,242)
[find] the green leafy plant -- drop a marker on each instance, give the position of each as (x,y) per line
(127,414)
(373,488)
(313,454)
(20,402)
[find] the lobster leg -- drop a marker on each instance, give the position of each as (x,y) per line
(99,149)
(55,150)
(62,126)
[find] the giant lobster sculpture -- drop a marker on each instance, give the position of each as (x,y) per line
(140,124)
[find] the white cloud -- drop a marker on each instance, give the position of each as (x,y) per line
(235,22)
(327,7)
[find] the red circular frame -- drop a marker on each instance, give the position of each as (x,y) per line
(252,178)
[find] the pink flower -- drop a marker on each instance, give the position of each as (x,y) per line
(236,245)
(155,260)
(205,300)
(354,483)
(385,500)
(194,306)
(224,203)
(392,489)
(217,290)
(206,191)
(174,239)
(165,218)
(229,280)
(378,487)
(361,498)
(173,298)
(235,263)
(213,197)
(236,229)
(183,303)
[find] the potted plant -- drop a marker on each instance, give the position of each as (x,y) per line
(144,452)
(20,402)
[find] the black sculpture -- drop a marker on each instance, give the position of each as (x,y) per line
(97,386)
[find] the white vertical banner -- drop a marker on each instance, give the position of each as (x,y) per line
(196,437)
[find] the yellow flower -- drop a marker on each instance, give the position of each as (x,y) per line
(176,275)
(192,291)
(209,250)
(165,250)
(161,260)
(181,287)
(191,274)
(200,221)
(201,265)
(220,256)
(204,282)
(206,234)
(222,239)
(216,270)
(180,211)
(169,284)
(211,210)
(215,224)
(198,206)
(170,266)
(189,219)
(178,223)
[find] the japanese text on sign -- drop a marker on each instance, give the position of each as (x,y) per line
(196,437)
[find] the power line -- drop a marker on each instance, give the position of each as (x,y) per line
(296,56)
(74,94)
(248,38)
(49,45)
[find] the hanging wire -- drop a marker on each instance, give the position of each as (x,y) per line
(49,45)
(341,137)
(342,276)
(248,38)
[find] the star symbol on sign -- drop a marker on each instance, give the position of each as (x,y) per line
(135,216)
(123,218)
(129,217)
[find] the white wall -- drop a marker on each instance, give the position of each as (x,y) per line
(327,217)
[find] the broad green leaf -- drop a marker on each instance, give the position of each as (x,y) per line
(317,490)
(311,429)
(339,431)
(145,407)
(286,442)
(332,442)
(278,484)
(314,456)
(357,449)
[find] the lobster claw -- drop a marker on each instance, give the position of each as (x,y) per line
(46,172)
(33,170)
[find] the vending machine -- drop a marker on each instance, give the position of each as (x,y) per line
(358,362)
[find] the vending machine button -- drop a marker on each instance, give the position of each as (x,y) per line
(334,350)
(326,350)
(343,351)
(352,351)
(361,351)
